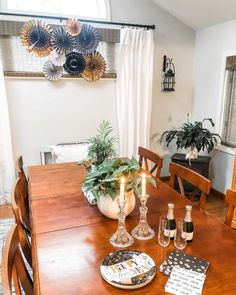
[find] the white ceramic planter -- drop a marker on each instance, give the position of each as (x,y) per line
(110,209)
(191,153)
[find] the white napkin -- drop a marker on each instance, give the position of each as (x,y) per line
(185,282)
(90,197)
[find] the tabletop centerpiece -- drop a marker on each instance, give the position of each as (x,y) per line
(193,137)
(104,183)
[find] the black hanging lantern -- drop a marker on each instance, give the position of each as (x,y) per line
(168,73)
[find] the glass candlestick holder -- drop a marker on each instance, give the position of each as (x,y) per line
(121,238)
(143,231)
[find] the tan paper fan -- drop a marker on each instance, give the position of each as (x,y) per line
(73,26)
(95,67)
(36,37)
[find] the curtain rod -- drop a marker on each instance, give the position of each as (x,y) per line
(152,27)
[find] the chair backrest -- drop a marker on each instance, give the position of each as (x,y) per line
(22,229)
(146,156)
(21,173)
(20,205)
(13,266)
(192,177)
(230,200)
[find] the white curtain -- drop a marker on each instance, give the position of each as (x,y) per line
(134,89)
(7,170)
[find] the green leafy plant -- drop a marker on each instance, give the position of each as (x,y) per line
(193,135)
(101,146)
(105,179)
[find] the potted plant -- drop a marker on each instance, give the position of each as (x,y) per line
(194,137)
(104,183)
(101,146)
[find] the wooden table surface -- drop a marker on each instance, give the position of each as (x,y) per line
(70,237)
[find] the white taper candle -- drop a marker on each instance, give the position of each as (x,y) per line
(143,184)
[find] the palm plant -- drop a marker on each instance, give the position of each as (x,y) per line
(193,135)
(102,146)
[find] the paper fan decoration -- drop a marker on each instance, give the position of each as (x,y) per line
(57,59)
(73,26)
(95,67)
(35,37)
(75,63)
(52,72)
(62,42)
(87,41)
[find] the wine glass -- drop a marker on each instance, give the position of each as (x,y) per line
(164,231)
(180,234)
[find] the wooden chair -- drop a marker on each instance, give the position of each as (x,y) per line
(233,187)
(21,174)
(21,220)
(13,266)
(20,206)
(146,156)
(230,200)
(192,177)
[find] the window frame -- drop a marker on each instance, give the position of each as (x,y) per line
(3,8)
(222,97)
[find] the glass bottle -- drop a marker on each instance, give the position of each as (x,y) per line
(189,223)
(171,221)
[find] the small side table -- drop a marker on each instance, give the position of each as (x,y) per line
(200,165)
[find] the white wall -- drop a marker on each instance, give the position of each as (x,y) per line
(43,112)
(210,47)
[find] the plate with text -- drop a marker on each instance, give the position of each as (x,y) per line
(128,269)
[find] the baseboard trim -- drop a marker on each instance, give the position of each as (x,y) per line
(165,178)
(220,194)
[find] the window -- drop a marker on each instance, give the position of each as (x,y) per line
(98,9)
(228,132)
(18,62)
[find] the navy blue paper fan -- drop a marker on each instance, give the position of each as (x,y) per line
(87,41)
(62,42)
(35,37)
(75,63)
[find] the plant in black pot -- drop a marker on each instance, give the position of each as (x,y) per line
(102,145)
(193,137)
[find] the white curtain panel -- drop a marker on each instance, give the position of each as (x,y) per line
(7,170)
(134,89)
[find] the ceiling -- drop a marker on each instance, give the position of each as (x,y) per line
(199,14)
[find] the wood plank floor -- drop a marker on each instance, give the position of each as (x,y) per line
(214,205)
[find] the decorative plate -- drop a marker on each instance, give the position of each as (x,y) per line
(73,26)
(87,41)
(35,37)
(57,59)
(95,67)
(52,72)
(75,63)
(128,269)
(62,42)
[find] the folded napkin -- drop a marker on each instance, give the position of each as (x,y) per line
(90,197)
(185,282)
(178,258)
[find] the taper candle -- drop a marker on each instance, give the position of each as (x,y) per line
(143,184)
(122,188)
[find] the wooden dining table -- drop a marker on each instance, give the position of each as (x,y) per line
(70,237)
